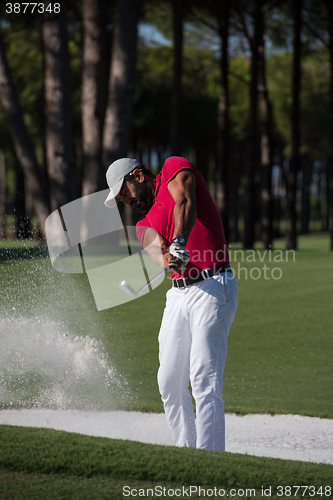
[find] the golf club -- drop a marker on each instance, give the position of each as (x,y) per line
(128,289)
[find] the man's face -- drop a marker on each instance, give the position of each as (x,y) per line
(136,193)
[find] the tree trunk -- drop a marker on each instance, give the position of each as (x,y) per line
(234,204)
(22,144)
(201,159)
(265,147)
(252,160)
(222,181)
(327,195)
(305,212)
(294,166)
(329,177)
(121,84)
(23,228)
(175,119)
(58,127)
(94,90)
(3,186)
(319,211)
(277,201)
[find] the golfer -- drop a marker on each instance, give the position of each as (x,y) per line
(179,217)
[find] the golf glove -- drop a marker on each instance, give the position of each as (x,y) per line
(179,251)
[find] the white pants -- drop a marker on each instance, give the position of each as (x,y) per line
(193,342)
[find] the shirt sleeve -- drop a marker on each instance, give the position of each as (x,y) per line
(141,227)
(174,165)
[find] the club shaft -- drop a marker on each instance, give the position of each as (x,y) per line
(153,279)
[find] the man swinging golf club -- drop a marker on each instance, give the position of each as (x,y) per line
(179,217)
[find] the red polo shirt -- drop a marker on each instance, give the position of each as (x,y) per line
(206,244)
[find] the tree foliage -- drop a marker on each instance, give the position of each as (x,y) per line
(201,82)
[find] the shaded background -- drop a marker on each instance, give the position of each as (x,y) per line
(243,89)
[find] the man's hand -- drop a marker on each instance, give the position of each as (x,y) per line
(181,255)
(159,252)
(174,262)
(163,255)
(180,252)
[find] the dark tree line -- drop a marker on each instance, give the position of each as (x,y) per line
(237,169)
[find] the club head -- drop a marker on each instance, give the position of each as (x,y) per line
(123,285)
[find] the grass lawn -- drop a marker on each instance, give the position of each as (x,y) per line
(52,465)
(280,345)
(279,360)
(281,342)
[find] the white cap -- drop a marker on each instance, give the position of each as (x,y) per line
(115,177)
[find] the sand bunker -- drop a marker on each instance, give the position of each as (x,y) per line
(292,437)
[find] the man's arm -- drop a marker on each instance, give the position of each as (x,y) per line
(156,246)
(182,190)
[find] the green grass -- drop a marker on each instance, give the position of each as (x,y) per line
(279,361)
(280,345)
(17,244)
(47,464)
